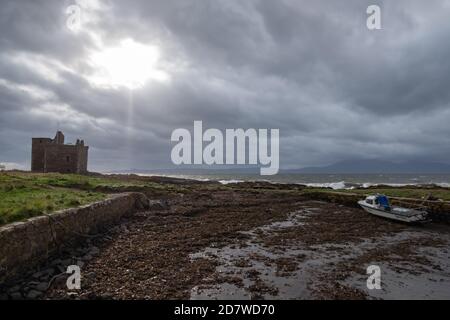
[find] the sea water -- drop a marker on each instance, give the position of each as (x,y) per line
(334,181)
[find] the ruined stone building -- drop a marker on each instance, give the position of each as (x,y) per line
(52,155)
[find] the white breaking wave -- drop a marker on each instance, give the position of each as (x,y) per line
(230,181)
(333,185)
(369,184)
(342,185)
(443,184)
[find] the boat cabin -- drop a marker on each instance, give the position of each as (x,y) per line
(379,201)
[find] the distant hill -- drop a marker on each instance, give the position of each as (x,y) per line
(377,166)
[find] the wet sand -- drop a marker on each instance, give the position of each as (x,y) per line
(235,243)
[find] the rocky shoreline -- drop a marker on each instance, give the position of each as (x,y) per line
(250,241)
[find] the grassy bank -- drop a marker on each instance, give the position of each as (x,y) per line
(24,195)
(84,182)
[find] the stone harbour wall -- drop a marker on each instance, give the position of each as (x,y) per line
(24,245)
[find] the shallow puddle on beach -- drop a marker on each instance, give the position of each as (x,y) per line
(410,283)
(288,287)
(256,265)
(292,286)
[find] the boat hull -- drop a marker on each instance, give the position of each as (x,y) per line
(413,218)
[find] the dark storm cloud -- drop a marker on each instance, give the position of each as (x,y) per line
(311,68)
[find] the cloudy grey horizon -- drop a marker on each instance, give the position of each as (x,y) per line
(336,90)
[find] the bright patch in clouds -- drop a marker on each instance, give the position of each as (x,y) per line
(130,65)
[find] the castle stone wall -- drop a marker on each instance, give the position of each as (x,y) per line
(52,155)
(38,153)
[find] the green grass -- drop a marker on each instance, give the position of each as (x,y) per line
(68,180)
(24,195)
(21,202)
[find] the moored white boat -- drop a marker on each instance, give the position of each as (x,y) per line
(379,205)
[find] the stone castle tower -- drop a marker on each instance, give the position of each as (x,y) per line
(52,155)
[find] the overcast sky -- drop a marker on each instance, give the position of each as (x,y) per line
(335,89)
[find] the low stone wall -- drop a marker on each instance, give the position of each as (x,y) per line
(24,245)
